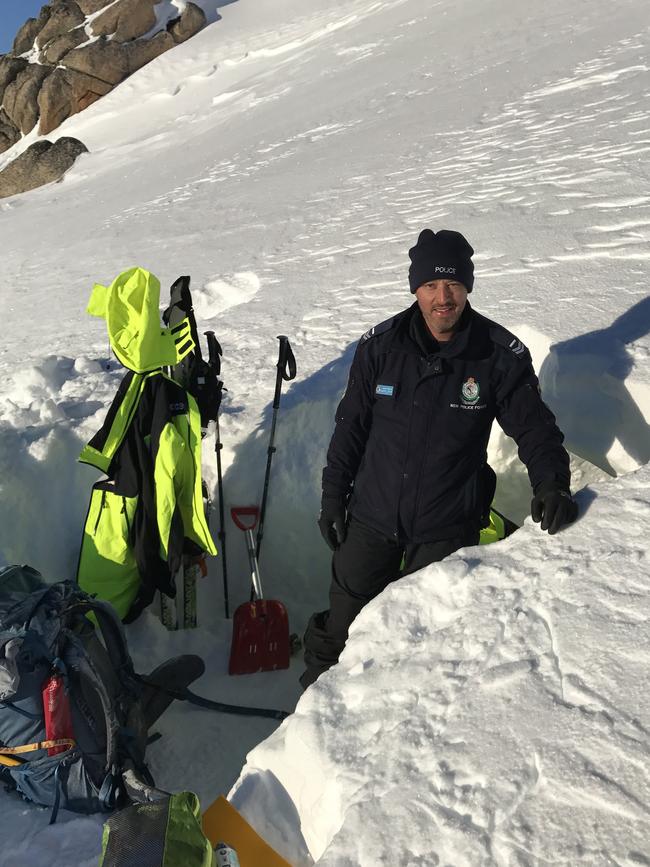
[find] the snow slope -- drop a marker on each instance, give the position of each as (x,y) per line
(286,158)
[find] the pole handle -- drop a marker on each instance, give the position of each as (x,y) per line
(286,367)
(214,352)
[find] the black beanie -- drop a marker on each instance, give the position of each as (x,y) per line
(443,255)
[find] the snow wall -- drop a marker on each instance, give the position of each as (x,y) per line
(589,382)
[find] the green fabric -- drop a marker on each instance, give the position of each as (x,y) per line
(495,530)
(177,482)
(130,306)
(185,843)
(102,459)
(107,564)
(137,835)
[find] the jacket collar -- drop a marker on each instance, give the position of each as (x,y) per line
(413,336)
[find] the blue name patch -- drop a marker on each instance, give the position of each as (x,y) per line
(385,390)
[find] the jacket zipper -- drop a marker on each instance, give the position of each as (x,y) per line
(126,518)
(99,513)
(437,370)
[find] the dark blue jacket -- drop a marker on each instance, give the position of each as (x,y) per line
(412,429)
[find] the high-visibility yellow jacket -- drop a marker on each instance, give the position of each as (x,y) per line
(149,511)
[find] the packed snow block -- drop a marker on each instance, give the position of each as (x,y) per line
(125,20)
(41,163)
(21,96)
(65,93)
(65,15)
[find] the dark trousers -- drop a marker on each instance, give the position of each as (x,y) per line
(364,565)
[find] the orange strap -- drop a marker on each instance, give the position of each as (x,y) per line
(40,745)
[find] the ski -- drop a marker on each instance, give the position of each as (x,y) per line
(168,613)
(194,568)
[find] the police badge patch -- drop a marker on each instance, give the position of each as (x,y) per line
(470,391)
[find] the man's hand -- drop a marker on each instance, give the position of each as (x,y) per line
(331,521)
(554,506)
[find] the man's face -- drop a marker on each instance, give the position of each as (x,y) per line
(442,303)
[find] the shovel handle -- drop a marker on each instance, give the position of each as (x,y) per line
(250,512)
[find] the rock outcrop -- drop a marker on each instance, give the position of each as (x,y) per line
(57,48)
(126,20)
(9,69)
(20,100)
(9,134)
(26,36)
(67,92)
(190,22)
(65,15)
(89,7)
(40,164)
(75,52)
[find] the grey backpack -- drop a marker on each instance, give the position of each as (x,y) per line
(57,628)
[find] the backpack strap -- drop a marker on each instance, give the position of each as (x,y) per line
(112,632)
(19,710)
(121,747)
(92,679)
(209,704)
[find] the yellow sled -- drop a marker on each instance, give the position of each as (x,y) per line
(223,824)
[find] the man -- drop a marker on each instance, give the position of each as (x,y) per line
(407,480)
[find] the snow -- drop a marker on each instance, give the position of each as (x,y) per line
(490,709)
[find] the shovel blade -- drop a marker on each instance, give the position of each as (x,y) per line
(260,637)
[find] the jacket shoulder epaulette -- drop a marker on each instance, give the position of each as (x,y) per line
(509,341)
(376,330)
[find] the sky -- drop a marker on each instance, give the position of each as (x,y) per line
(493,709)
(13,14)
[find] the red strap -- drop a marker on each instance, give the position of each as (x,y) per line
(237,512)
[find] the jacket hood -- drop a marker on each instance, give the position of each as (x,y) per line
(130,306)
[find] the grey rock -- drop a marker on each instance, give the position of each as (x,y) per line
(126,19)
(64,16)
(89,7)
(190,22)
(112,62)
(27,34)
(143,51)
(20,96)
(102,59)
(40,164)
(64,93)
(25,37)
(9,69)
(57,48)
(9,134)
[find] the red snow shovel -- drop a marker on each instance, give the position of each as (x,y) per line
(260,628)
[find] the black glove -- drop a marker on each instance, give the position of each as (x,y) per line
(331,521)
(554,506)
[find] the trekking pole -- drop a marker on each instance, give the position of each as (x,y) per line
(286,371)
(214,360)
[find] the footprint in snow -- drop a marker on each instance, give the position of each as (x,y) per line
(223,292)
